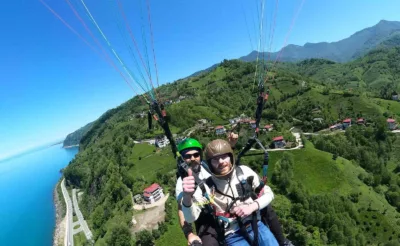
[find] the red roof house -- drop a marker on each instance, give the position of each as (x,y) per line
(152,188)
(280,138)
(348,120)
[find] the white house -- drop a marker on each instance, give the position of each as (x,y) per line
(153,193)
(161,142)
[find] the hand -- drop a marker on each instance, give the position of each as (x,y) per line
(233,138)
(245,210)
(188,185)
(192,237)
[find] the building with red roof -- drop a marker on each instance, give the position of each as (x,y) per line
(279,142)
(346,123)
(391,124)
(153,193)
(253,124)
(268,128)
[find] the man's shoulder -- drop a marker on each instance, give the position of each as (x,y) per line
(204,172)
(247,171)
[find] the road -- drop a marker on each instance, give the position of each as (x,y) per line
(81,220)
(69,238)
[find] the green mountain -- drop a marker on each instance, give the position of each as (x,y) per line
(75,137)
(376,73)
(384,34)
(341,189)
(341,51)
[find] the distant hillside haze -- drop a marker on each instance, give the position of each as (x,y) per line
(385,33)
(75,137)
(341,51)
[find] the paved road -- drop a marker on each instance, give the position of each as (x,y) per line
(69,238)
(81,220)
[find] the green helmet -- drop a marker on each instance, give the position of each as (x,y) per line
(189,143)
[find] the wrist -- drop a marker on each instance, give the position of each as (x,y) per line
(256,206)
(187,229)
(187,201)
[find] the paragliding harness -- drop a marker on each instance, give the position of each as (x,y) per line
(207,210)
(245,191)
(245,187)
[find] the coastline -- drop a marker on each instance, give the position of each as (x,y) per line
(59,230)
(71,146)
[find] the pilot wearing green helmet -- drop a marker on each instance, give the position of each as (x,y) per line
(190,151)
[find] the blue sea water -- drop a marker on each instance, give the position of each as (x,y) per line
(27,181)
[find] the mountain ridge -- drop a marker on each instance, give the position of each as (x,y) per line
(343,50)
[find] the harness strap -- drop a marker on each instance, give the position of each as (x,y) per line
(245,190)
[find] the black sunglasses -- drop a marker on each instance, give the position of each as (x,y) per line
(189,156)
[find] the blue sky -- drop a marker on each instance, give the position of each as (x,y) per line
(52,83)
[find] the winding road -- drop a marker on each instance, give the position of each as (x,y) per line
(69,238)
(81,220)
(69,231)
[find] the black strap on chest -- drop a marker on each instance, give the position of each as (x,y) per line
(245,191)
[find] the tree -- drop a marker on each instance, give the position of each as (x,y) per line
(156,233)
(120,236)
(144,238)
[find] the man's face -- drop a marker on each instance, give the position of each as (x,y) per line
(221,164)
(192,158)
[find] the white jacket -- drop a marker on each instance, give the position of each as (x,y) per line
(203,174)
(220,202)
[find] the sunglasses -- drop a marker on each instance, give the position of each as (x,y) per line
(189,156)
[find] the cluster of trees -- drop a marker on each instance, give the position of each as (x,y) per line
(315,219)
(371,148)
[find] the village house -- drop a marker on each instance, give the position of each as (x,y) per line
(168,102)
(202,121)
(336,127)
(346,123)
(279,142)
(219,130)
(138,198)
(234,120)
(153,193)
(392,124)
(161,142)
(360,121)
(140,115)
(395,97)
(253,124)
(268,128)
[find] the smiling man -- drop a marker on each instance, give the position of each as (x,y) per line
(235,208)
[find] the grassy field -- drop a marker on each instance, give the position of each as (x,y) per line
(151,161)
(174,234)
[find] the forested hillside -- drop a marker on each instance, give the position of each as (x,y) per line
(75,137)
(341,189)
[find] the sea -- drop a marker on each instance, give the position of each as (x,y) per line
(27,181)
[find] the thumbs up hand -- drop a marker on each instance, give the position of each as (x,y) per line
(189,187)
(233,138)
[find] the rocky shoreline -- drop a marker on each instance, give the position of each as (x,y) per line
(59,230)
(71,146)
